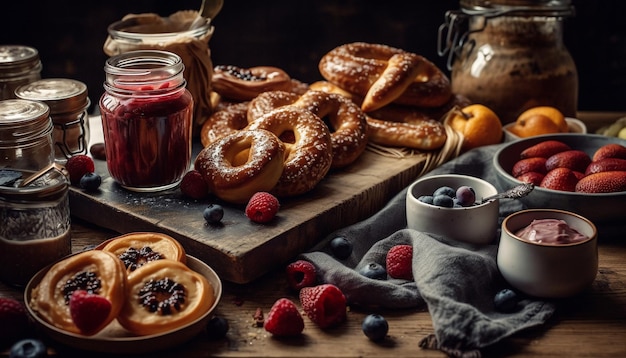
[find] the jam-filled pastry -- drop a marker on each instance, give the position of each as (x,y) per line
(138,248)
(164,295)
(97,272)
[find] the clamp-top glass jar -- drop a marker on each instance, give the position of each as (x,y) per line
(147,118)
(509,55)
(19,65)
(68,102)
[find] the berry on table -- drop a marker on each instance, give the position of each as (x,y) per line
(217,327)
(193,185)
(399,262)
(90,181)
(213,213)
(341,247)
(375,327)
(28,348)
(77,166)
(301,273)
(14,320)
(374,270)
(262,207)
(325,304)
(284,319)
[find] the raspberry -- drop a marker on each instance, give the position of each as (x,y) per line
(79,165)
(400,262)
(13,318)
(284,319)
(325,304)
(89,311)
(301,274)
(193,185)
(262,207)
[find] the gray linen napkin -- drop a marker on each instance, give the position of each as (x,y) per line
(456,281)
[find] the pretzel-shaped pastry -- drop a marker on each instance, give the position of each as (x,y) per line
(383,74)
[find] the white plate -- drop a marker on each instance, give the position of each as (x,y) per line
(575,126)
(114,338)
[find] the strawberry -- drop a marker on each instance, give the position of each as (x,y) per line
(14,320)
(531,177)
(300,274)
(90,312)
(544,149)
(602,182)
(79,165)
(606,165)
(572,159)
(562,179)
(612,150)
(284,319)
(193,185)
(400,262)
(533,164)
(325,304)
(262,207)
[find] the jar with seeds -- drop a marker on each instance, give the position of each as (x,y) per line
(35,228)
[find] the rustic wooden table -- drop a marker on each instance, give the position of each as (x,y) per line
(592,324)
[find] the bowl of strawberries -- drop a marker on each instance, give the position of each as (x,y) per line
(582,173)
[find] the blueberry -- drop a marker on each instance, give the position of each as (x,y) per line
(374,270)
(90,181)
(341,247)
(443,201)
(213,213)
(428,199)
(28,348)
(506,301)
(375,327)
(217,327)
(445,190)
(466,195)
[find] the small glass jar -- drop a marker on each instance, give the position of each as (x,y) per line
(512,56)
(35,230)
(19,65)
(147,118)
(68,102)
(25,135)
(173,34)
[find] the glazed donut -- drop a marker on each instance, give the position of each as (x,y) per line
(226,120)
(241,84)
(346,122)
(382,74)
(163,295)
(242,163)
(309,154)
(100,272)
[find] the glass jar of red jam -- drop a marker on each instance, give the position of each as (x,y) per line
(509,55)
(147,119)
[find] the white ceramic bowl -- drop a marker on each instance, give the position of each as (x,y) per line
(475,224)
(548,270)
(604,209)
(574,125)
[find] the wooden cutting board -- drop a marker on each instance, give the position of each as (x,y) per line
(240,250)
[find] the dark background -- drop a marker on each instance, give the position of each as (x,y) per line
(295,34)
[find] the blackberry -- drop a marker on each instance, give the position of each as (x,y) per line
(162,296)
(240,73)
(134,259)
(84,280)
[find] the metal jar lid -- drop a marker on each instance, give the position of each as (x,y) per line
(17,61)
(23,120)
(60,94)
(494,8)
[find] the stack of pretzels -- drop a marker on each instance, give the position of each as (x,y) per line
(371,93)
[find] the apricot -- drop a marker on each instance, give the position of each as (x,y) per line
(539,120)
(479,125)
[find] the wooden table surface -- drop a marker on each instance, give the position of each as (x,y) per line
(592,324)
